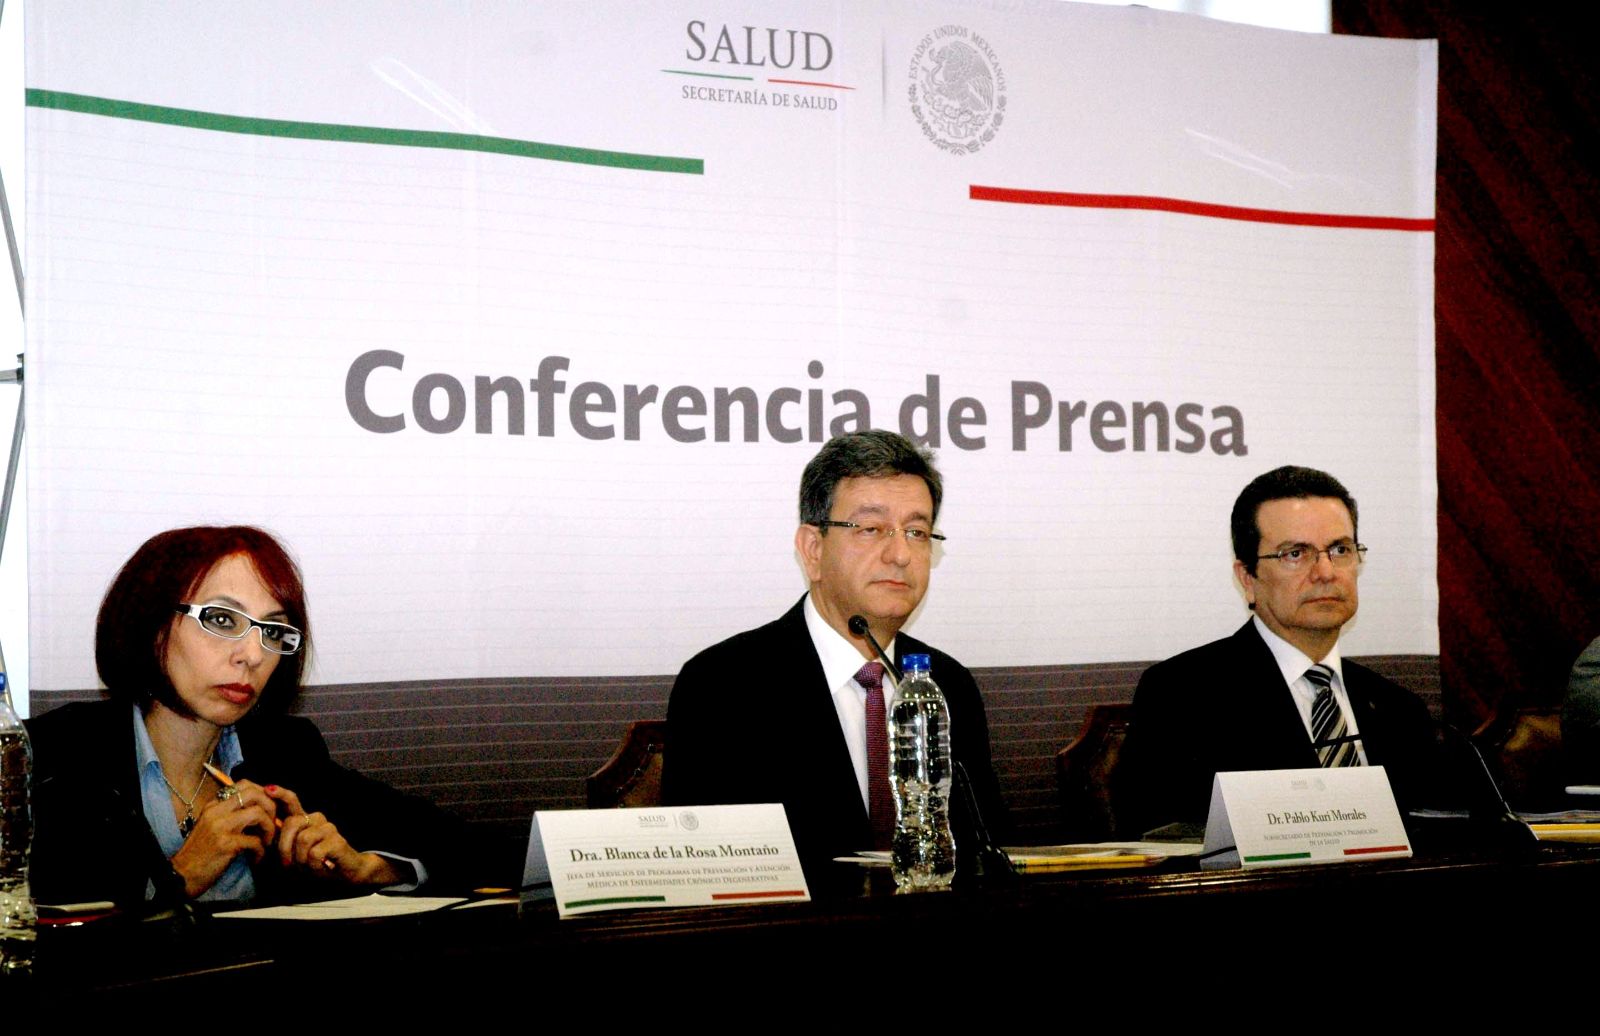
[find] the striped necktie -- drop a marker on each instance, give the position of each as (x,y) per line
(1328,737)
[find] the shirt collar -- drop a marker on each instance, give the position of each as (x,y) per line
(144,750)
(840,659)
(1293,662)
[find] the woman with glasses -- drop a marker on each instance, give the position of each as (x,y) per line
(190,782)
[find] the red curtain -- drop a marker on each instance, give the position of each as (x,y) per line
(1518,346)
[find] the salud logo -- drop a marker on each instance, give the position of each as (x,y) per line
(759,48)
(957,89)
(757,67)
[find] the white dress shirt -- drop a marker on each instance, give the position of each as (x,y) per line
(1293,663)
(841,660)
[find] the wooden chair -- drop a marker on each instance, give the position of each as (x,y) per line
(1083,774)
(632,776)
(1523,747)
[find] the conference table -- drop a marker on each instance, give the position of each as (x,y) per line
(1460,915)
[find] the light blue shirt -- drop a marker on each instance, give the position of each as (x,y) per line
(237,884)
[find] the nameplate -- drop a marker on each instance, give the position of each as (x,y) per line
(625,859)
(1280,818)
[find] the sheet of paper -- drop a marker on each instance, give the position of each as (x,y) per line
(621,859)
(1077,848)
(1587,834)
(1100,858)
(353,909)
(1079,856)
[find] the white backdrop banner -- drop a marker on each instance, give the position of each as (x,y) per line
(518,322)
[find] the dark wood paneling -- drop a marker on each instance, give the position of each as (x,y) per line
(497,750)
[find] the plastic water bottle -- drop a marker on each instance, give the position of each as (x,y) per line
(17,916)
(921,772)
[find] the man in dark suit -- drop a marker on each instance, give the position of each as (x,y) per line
(784,713)
(1276,694)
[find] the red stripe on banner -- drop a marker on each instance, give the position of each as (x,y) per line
(756,895)
(806,82)
(1376,849)
(1195,208)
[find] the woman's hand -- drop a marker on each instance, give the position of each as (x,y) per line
(245,822)
(311,842)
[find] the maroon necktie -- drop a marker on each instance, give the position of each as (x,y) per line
(879,800)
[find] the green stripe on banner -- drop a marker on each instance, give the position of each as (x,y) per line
(1277,856)
(615,899)
(220,123)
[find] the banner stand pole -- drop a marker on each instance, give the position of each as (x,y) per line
(11,465)
(16,451)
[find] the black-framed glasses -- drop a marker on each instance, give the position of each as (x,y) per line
(219,620)
(869,533)
(1303,555)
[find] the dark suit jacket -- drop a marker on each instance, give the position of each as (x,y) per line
(1580,717)
(1225,707)
(91,841)
(751,720)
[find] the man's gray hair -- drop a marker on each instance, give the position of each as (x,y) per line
(870,454)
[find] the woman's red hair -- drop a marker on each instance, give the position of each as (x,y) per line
(136,617)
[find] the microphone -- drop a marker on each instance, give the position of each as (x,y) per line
(1490,808)
(1455,766)
(858,626)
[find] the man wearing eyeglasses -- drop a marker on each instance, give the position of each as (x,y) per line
(794,712)
(1275,695)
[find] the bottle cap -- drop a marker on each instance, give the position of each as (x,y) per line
(915,663)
